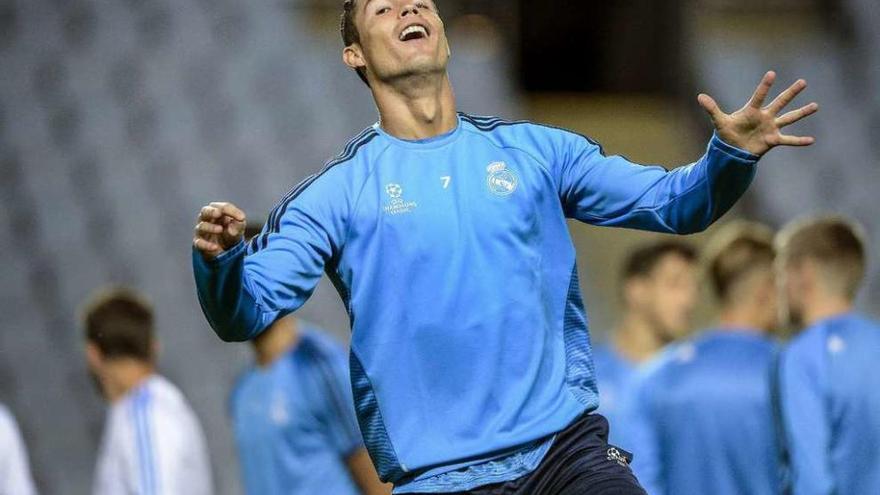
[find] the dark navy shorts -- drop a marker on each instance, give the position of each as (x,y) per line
(580,462)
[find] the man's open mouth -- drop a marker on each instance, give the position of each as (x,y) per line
(414,32)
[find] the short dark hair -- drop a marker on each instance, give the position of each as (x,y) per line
(119,322)
(350,34)
(837,244)
(642,261)
(738,250)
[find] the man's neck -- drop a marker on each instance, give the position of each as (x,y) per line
(277,341)
(419,107)
(636,340)
(124,375)
(741,319)
(824,307)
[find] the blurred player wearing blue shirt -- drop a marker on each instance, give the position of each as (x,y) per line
(446,237)
(829,385)
(659,294)
(701,414)
(294,422)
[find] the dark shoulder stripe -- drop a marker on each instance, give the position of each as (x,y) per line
(345,151)
(487,126)
(478,118)
(481,122)
(261,241)
(309,181)
(491,125)
(273,223)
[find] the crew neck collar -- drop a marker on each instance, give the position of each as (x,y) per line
(736,332)
(833,318)
(427,143)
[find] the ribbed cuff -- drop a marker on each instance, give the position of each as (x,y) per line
(225,257)
(733,151)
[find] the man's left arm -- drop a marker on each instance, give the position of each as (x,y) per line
(364,474)
(612,191)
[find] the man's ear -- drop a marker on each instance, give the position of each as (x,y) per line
(810,275)
(353,56)
(633,291)
(94,357)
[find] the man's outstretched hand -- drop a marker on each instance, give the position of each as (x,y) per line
(219,227)
(756,128)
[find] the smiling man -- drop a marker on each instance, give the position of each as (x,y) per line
(446,236)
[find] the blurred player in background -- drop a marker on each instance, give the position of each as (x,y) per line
(830,386)
(446,236)
(152,442)
(659,294)
(15,471)
(293,417)
(701,416)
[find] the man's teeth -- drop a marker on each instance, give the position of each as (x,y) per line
(412,30)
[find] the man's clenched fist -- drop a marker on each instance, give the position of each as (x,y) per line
(219,226)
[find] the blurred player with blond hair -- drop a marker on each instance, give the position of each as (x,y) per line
(829,385)
(701,415)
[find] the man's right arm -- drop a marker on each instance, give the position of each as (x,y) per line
(244,288)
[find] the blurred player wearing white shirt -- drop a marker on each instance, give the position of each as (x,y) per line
(153,443)
(15,474)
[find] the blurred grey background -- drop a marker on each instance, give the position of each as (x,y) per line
(120,118)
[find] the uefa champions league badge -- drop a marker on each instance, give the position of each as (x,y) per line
(501,180)
(398,205)
(394,190)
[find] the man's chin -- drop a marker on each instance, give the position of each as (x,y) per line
(423,61)
(418,70)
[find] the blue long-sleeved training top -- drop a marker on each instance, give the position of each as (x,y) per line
(454,260)
(830,394)
(700,417)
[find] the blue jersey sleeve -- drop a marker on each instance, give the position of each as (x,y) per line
(250,286)
(805,415)
(612,191)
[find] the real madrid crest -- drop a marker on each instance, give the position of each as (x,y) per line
(501,180)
